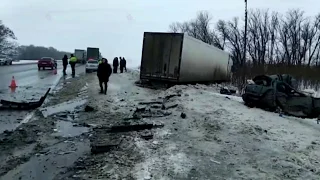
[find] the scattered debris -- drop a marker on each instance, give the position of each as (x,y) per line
(150,102)
(102,142)
(88,108)
(7,132)
(217,162)
(147,135)
(227,91)
(67,152)
(132,127)
(102,148)
(171,96)
(82,125)
(143,112)
(156,106)
(183,115)
(169,106)
(4,104)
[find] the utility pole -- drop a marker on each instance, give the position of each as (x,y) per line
(245,42)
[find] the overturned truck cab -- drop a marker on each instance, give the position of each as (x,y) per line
(179,58)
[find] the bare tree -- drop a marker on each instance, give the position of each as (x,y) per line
(7,47)
(292,39)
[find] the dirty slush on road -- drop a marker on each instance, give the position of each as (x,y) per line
(49,142)
(68,136)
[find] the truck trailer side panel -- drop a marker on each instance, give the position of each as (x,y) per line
(201,62)
(79,54)
(177,57)
(161,56)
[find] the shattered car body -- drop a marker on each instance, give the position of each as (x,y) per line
(279,92)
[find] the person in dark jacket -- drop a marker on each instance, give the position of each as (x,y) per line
(65,64)
(115,64)
(104,71)
(122,64)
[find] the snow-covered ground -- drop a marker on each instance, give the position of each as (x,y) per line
(24,62)
(220,138)
(20,62)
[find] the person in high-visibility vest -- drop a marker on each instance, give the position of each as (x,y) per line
(72,62)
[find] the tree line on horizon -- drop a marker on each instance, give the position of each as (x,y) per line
(9,47)
(275,41)
(272,37)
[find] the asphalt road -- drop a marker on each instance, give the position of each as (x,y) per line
(32,84)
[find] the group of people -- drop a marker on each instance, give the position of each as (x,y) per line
(123,64)
(72,62)
(104,71)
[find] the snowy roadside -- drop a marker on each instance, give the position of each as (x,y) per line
(219,138)
(22,62)
(223,139)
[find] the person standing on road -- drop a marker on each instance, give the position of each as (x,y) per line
(65,64)
(104,71)
(122,64)
(72,62)
(115,64)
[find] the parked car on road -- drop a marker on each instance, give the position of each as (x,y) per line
(47,62)
(5,61)
(92,65)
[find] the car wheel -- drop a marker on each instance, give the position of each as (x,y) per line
(38,68)
(43,68)
(51,67)
(10,63)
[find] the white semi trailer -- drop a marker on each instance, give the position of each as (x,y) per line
(79,54)
(177,57)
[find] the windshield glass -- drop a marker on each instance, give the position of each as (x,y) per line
(46,59)
(92,62)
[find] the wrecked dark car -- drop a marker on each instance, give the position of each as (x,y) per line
(278,92)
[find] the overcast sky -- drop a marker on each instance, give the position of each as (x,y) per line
(117,26)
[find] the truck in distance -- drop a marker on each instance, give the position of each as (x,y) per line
(80,55)
(93,53)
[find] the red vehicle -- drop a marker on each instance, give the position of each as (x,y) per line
(47,62)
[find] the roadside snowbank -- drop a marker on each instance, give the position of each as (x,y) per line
(221,138)
(20,62)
